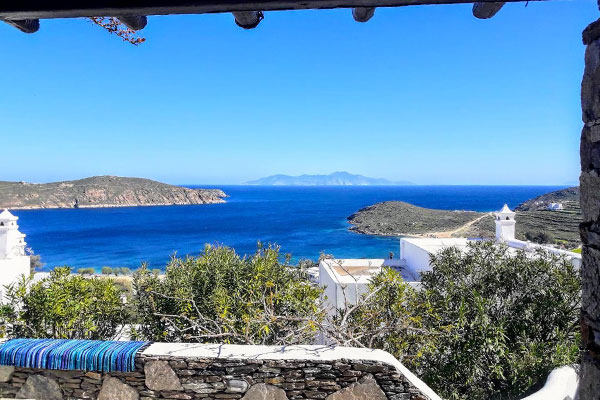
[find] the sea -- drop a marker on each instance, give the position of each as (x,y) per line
(303,221)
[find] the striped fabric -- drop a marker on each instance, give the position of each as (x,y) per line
(85,355)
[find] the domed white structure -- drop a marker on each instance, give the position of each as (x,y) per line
(13,260)
(505,224)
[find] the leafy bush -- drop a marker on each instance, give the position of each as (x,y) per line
(386,317)
(539,237)
(222,297)
(156,271)
(493,323)
(485,324)
(86,271)
(64,306)
(125,271)
(107,270)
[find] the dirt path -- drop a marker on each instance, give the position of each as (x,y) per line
(448,234)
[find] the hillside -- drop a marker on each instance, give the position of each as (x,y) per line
(333,179)
(102,191)
(397,218)
(569,197)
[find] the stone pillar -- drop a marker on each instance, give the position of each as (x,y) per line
(589,386)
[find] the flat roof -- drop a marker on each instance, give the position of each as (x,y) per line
(360,270)
(434,245)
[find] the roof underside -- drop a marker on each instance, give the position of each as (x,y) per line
(35,9)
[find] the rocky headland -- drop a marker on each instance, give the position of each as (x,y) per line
(534,220)
(102,191)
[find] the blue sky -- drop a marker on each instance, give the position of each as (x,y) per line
(427,94)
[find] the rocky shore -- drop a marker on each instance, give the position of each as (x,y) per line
(102,191)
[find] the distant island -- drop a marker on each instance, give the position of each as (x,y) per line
(102,191)
(534,220)
(333,179)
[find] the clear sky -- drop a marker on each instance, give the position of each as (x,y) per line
(427,94)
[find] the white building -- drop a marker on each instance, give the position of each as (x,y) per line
(555,207)
(345,280)
(13,260)
(416,251)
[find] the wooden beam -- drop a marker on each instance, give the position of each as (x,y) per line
(363,14)
(248,19)
(483,10)
(24,25)
(31,9)
(135,22)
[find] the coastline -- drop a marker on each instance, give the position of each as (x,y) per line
(220,201)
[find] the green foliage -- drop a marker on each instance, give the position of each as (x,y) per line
(485,323)
(386,317)
(64,306)
(222,297)
(156,271)
(499,322)
(539,237)
(107,270)
(125,271)
(86,271)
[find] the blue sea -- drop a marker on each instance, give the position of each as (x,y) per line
(304,221)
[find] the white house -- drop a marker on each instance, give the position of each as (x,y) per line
(555,207)
(13,260)
(346,279)
(415,251)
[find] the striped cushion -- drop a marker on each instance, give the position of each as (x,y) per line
(85,355)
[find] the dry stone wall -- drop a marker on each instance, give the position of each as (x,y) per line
(187,377)
(589,386)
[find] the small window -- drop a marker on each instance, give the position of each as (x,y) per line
(507,218)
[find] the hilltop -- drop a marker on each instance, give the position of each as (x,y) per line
(333,179)
(397,218)
(102,191)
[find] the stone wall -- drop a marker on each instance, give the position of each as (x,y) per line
(193,371)
(590,207)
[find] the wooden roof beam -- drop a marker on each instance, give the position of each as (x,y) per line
(363,14)
(486,10)
(36,9)
(24,25)
(134,22)
(248,19)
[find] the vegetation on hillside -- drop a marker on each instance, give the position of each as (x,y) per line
(534,221)
(102,191)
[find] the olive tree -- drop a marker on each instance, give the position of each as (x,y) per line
(220,296)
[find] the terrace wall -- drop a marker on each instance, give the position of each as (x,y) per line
(194,371)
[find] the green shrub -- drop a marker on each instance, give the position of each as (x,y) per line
(107,270)
(498,322)
(125,271)
(485,324)
(156,271)
(540,237)
(86,271)
(64,306)
(222,297)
